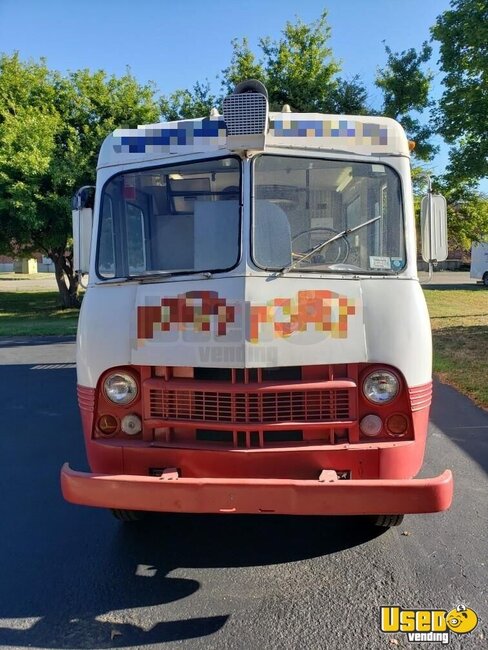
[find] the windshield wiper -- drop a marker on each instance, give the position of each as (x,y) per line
(156,275)
(316,249)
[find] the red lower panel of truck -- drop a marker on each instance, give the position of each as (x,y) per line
(182,462)
(326,495)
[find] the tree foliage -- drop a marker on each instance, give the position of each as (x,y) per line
(51,129)
(243,65)
(297,69)
(350,97)
(52,126)
(185,104)
(406,85)
(468,220)
(467,212)
(462,118)
(300,68)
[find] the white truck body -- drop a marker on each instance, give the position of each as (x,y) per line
(254,337)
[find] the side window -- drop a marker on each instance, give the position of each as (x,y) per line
(136,240)
(106,255)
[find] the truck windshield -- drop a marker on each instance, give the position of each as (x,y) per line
(327,216)
(179,219)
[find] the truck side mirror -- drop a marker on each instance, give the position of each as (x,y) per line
(433,228)
(82,214)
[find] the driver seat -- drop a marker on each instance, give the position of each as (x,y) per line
(272,235)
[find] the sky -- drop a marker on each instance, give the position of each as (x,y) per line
(175,44)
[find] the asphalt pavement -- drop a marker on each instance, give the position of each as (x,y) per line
(74,577)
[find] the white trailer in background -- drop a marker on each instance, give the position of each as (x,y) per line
(479,262)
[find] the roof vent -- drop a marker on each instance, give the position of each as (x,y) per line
(246,116)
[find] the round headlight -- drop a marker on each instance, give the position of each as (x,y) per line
(120,388)
(380,387)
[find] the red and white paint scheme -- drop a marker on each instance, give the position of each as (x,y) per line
(254,338)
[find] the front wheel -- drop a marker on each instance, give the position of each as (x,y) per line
(485,279)
(387,521)
(128,515)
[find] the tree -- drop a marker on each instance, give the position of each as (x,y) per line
(300,69)
(297,69)
(468,220)
(51,129)
(243,65)
(350,97)
(185,104)
(463,109)
(406,87)
(467,214)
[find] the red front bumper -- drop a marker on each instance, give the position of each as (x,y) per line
(256,495)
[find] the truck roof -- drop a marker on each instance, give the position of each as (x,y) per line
(366,135)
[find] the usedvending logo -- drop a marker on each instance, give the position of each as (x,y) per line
(428,624)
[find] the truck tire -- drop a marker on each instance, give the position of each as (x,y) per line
(128,515)
(387,521)
(485,279)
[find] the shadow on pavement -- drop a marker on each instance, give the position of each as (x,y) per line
(63,567)
(89,570)
(212,541)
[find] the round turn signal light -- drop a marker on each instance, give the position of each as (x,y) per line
(397,425)
(108,424)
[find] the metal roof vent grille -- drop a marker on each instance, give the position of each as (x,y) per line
(246,114)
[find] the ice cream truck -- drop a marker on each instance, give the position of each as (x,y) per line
(254,338)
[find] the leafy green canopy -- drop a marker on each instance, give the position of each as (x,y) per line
(406,87)
(299,69)
(52,126)
(462,116)
(468,219)
(51,129)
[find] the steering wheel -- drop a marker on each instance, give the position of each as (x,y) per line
(336,252)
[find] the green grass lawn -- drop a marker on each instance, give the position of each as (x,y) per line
(459,318)
(35,313)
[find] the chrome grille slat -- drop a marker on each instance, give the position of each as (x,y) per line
(249,406)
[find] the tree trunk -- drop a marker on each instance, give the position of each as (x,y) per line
(63,271)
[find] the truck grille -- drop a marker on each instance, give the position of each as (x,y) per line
(251,407)
(260,407)
(248,408)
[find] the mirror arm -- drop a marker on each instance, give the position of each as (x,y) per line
(429,193)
